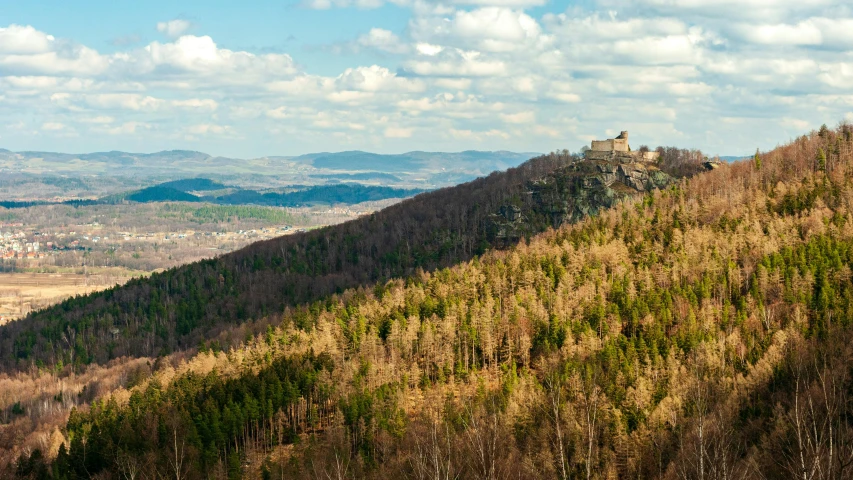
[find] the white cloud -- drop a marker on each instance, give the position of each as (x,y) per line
(197,103)
(780,34)
(566,97)
(754,10)
(797,123)
(374,79)
(53,126)
(123,101)
(465,72)
(828,32)
(351,97)
(17,39)
(173,28)
(384,40)
(327,4)
(487,29)
(200,56)
(460,106)
(456,63)
(461,134)
(68,60)
(520,117)
(683,89)
(546,131)
(209,129)
(396,132)
(419,6)
(478,136)
(595,27)
(99,120)
(503,3)
(428,49)
(126,128)
(278,113)
(453,83)
(658,50)
(336,120)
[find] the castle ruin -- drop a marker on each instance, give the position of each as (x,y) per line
(618,150)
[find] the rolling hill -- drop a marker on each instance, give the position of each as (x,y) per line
(161,194)
(411,167)
(194,185)
(349,194)
(698,331)
(177,309)
(178,191)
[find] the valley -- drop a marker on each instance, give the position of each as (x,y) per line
(614,320)
(189,319)
(426,240)
(52,252)
(57,177)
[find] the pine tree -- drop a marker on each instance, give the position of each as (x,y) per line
(821,160)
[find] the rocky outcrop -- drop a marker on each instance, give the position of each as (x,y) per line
(582,188)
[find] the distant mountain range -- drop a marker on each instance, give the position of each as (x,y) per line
(194,185)
(194,189)
(321,194)
(447,168)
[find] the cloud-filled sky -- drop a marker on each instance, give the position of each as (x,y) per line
(284,78)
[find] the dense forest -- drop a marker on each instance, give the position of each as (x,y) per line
(674,336)
(194,185)
(158,194)
(349,194)
(179,308)
(178,191)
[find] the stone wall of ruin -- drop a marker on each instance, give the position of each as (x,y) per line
(602,145)
(620,145)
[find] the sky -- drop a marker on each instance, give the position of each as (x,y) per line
(287,77)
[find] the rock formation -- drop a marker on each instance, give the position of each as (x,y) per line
(606,175)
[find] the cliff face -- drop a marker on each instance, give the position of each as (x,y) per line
(573,192)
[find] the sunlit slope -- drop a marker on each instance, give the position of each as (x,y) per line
(701,329)
(180,307)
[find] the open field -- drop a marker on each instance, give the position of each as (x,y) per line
(21,293)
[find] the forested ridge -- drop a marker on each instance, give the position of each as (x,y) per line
(180,308)
(702,331)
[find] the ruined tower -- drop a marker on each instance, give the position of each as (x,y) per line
(617,149)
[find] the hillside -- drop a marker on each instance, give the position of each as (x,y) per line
(349,194)
(179,308)
(339,194)
(160,193)
(193,185)
(363,176)
(422,169)
(702,331)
